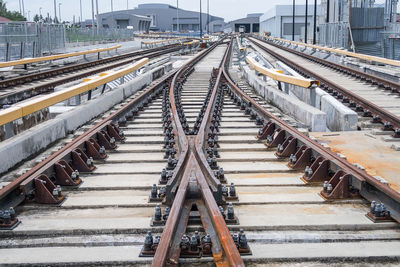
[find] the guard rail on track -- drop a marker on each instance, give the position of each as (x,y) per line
(279,76)
(31,106)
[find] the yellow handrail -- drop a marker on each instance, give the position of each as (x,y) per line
(25,108)
(344,52)
(192,42)
(54,57)
(279,76)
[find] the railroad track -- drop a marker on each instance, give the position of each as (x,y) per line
(369,95)
(20,88)
(235,193)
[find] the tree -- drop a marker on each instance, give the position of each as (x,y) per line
(36,18)
(12,15)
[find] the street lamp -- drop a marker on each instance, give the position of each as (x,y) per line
(29,15)
(40,11)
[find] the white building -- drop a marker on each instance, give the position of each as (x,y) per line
(279,21)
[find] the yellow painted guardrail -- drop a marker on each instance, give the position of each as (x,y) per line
(25,108)
(163,41)
(54,57)
(343,52)
(192,42)
(279,76)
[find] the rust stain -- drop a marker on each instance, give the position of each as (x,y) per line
(371,152)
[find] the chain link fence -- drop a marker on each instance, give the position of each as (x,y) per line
(75,35)
(29,39)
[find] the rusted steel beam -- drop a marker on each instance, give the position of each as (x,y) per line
(369,187)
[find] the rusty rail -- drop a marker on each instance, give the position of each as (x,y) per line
(194,169)
(47,87)
(74,156)
(360,104)
(325,165)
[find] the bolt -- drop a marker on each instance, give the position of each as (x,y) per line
(55,193)
(148,242)
(308,171)
(166,213)
(193,243)
(58,187)
(185,242)
(112,140)
(242,239)
(232,189)
(154,191)
(225,190)
(158,215)
(292,159)
(329,188)
(325,186)
(221,209)
(231,212)
(164,175)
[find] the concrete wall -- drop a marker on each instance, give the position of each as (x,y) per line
(32,141)
(339,117)
(310,116)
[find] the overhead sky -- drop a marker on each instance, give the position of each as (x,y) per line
(228,9)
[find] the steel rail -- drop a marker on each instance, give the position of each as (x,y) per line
(67,69)
(19,189)
(28,107)
(369,187)
(167,253)
(24,61)
(343,52)
(349,95)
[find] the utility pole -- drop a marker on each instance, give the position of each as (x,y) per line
(97,16)
(59,11)
(305,24)
(93,18)
(294,13)
(23,8)
(177,16)
(327,10)
(55,10)
(20,7)
(201,22)
(81,18)
(127,4)
(315,23)
(208,16)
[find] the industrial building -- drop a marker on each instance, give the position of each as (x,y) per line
(251,24)
(362,26)
(156,17)
(279,21)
